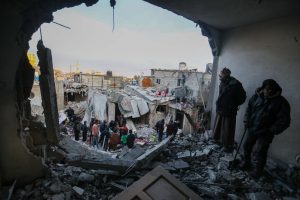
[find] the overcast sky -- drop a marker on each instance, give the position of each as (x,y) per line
(145,37)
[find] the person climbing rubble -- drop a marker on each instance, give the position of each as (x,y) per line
(160,125)
(267,115)
(231,96)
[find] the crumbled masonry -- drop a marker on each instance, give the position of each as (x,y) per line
(198,163)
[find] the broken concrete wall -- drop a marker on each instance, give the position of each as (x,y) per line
(21,20)
(269,49)
(15,160)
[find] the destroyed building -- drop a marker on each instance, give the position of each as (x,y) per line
(258,39)
(99,81)
(196,83)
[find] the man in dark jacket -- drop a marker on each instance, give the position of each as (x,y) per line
(160,125)
(267,114)
(170,128)
(231,96)
(130,139)
(103,131)
(84,130)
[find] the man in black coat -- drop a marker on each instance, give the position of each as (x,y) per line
(84,130)
(130,139)
(231,96)
(160,125)
(267,115)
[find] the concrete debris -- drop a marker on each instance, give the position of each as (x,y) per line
(55,187)
(212,175)
(58,197)
(258,196)
(233,197)
(87,173)
(78,107)
(178,164)
(78,190)
(84,177)
(118,186)
(212,191)
(134,153)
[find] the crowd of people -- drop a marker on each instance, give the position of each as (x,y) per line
(100,134)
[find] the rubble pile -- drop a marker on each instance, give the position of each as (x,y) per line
(69,183)
(204,167)
(146,134)
(195,161)
(78,107)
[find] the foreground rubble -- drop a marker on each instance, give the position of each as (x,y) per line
(198,163)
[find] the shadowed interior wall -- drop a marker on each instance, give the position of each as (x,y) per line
(269,49)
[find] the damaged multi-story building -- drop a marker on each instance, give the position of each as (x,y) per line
(257,39)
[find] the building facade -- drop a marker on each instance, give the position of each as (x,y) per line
(196,83)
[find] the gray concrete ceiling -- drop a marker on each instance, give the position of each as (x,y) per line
(224,14)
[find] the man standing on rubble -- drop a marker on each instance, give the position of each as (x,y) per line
(231,96)
(170,128)
(84,130)
(160,125)
(130,139)
(267,115)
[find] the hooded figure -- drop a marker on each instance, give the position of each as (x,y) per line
(267,115)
